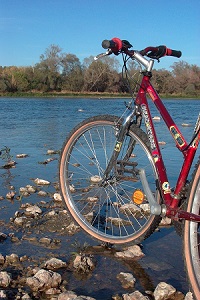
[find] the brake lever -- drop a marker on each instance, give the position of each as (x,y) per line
(108,52)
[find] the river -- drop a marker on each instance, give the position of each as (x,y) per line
(34,125)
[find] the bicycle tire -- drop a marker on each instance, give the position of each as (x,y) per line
(192,235)
(108,216)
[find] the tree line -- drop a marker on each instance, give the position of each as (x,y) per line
(60,72)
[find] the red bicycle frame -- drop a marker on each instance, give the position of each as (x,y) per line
(170,200)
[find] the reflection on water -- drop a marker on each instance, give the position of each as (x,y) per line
(33,126)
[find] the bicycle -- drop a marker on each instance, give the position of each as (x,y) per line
(112,175)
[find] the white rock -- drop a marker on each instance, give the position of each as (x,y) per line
(19,221)
(92,199)
(3,294)
(31,189)
(72,188)
(95,178)
(4,279)
(145,207)
(41,181)
(33,210)
(22,155)
(189,296)
(164,291)
(165,221)
(57,197)
(42,193)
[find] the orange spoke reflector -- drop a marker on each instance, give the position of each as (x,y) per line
(138,197)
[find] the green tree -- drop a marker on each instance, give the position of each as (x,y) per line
(72,73)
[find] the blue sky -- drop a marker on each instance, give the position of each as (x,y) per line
(28,27)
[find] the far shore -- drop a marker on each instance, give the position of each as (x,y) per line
(89,95)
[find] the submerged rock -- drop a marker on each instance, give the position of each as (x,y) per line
(127,280)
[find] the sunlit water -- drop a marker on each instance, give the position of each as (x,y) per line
(34,125)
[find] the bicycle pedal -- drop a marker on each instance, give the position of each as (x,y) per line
(127,167)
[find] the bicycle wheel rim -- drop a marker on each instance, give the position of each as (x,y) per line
(192,239)
(70,197)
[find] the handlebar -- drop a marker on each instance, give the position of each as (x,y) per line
(116,45)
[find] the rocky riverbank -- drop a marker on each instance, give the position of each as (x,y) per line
(36,264)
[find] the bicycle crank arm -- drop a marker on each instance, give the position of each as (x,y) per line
(183,215)
(155,208)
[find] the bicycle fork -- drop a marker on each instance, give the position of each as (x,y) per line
(120,138)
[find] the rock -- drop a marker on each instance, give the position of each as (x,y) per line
(4,279)
(10,195)
(2,260)
(33,211)
(127,280)
(41,181)
(131,252)
(162,143)
(31,189)
(52,291)
(3,294)
(189,296)
(3,237)
(57,197)
(72,188)
(156,118)
(69,295)
(164,291)
(72,228)
(92,199)
(44,280)
(165,221)
(26,297)
(10,164)
(135,296)
(83,263)
(129,208)
(42,193)
(186,125)
(54,263)
(45,241)
(145,207)
(22,155)
(95,178)
(19,221)
(12,259)
(50,152)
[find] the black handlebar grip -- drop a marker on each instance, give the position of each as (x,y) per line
(176,53)
(108,44)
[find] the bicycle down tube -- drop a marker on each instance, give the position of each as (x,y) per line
(188,151)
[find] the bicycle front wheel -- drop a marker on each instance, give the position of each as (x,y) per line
(192,235)
(107,212)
